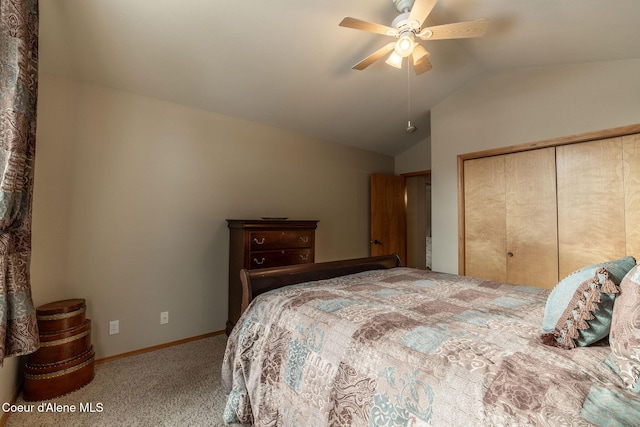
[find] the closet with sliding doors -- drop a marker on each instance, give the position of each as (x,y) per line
(534,213)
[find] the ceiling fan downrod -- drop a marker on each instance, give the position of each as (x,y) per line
(403,6)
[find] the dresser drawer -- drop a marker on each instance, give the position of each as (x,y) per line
(281,239)
(275,258)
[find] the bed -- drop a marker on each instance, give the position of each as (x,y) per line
(367,342)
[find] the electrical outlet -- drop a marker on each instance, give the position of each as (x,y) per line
(164,317)
(114,327)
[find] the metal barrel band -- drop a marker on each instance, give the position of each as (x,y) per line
(60,315)
(58,374)
(64,340)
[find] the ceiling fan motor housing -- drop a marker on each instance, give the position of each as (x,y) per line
(402,24)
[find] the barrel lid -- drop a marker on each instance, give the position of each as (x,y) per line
(64,306)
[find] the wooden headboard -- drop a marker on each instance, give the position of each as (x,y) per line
(258,281)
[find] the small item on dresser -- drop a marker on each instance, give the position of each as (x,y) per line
(65,360)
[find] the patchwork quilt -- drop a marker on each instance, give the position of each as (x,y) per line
(407,347)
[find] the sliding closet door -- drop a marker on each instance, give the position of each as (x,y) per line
(591,203)
(510,218)
(631,165)
(531,214)
(485,222)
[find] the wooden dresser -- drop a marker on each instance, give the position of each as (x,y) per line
(261,244)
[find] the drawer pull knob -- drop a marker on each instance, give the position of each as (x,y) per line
(259,262)
(304,239)
(304,257)
(259,242)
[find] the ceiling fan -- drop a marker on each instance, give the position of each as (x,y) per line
(406,27)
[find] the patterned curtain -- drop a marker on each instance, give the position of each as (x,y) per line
(18,100)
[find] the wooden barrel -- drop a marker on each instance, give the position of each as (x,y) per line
(58,347)
(61,315)
(43,382)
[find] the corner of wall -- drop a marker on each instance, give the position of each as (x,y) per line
(416,158)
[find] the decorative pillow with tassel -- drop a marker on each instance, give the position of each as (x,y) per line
(580,307)
(625,331)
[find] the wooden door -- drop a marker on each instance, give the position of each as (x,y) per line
(531,215)
(591,204)
(388,216)
(484,217)
(631,170)
(510,218)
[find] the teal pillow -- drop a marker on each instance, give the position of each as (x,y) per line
(580,307)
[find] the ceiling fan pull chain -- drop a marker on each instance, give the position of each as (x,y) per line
(410,127)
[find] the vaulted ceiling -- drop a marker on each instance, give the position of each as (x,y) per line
(287,63)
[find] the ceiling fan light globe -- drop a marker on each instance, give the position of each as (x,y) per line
(404,46)
(394,60)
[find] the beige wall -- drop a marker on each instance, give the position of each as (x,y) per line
(515,107)
(131,198)
(149,187)
(415,159)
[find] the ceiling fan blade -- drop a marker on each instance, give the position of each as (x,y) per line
(421,9)
(358,24)
(420,60)
(374,57)
(458,30)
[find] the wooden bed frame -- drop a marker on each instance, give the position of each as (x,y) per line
(258,281)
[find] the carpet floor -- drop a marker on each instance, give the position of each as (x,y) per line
(173,386)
